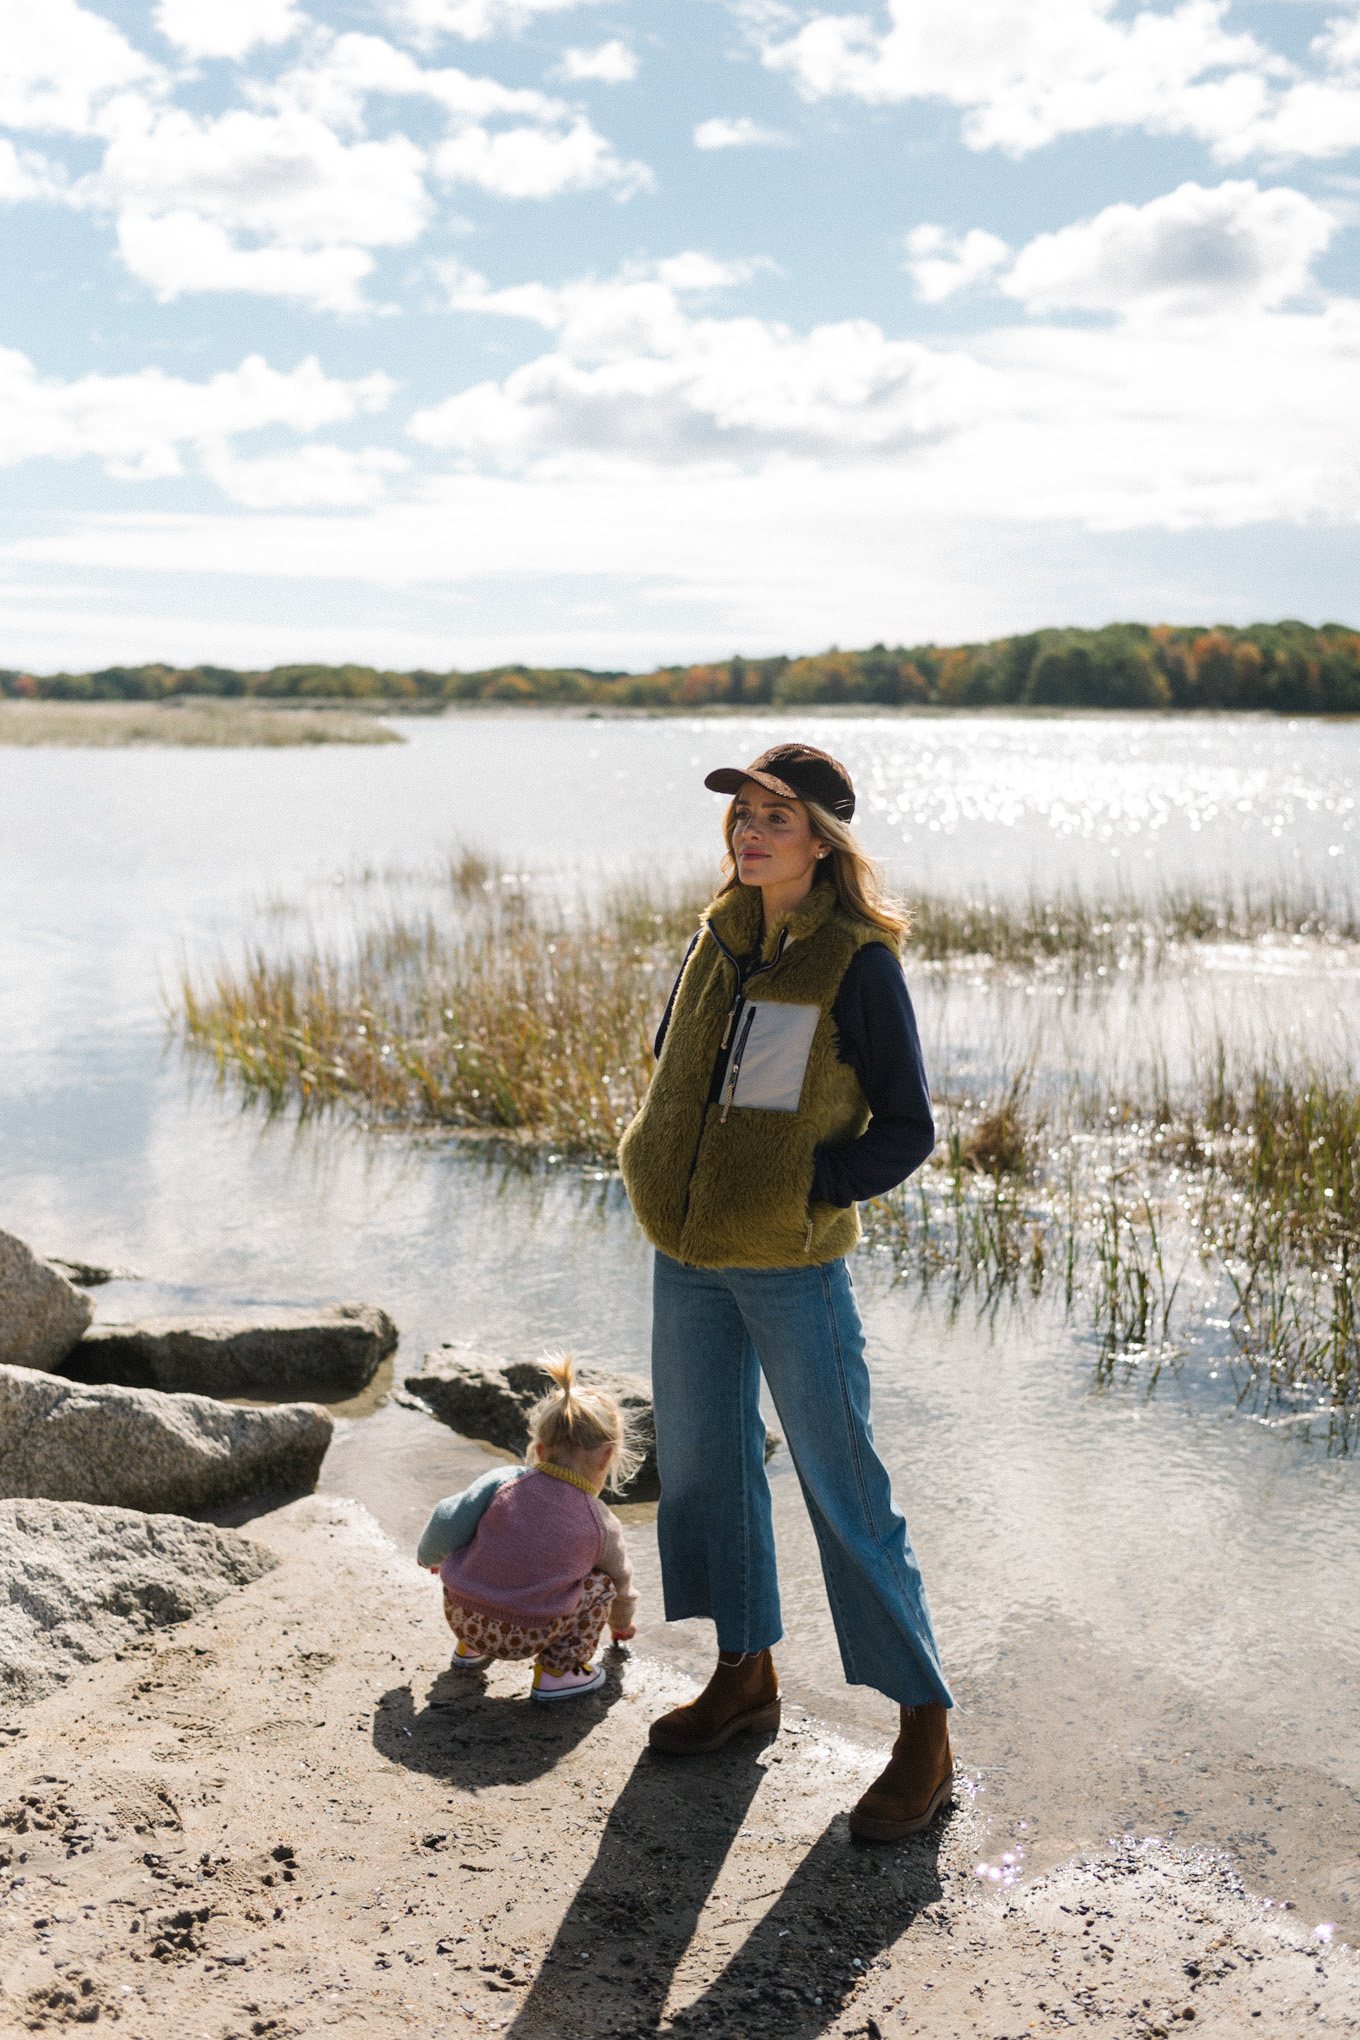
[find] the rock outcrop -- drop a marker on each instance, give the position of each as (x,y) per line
(41,1314)
(331,1353)
(134,1448)
(77,1583)
(491,1401)
(90,1274)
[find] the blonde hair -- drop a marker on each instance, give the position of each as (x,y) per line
(856,877)
(584,1420)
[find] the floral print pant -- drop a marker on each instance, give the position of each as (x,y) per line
(559,1646)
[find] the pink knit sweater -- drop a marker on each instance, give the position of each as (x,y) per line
(528,1561)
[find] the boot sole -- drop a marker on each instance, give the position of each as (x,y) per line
(870,1830)
(681,1746)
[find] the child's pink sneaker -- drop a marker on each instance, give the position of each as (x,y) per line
(565,1685)
(466,1660)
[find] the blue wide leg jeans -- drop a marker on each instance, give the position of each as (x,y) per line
(714,1331)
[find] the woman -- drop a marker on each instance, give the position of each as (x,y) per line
(788,1085)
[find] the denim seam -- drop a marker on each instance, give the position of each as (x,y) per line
(851,1424)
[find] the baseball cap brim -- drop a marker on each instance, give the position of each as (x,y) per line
(730,779)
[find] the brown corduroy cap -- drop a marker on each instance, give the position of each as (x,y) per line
(796,771)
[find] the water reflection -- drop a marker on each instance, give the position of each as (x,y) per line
(1147,1600)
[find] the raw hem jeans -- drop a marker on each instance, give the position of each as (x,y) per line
(714,1330)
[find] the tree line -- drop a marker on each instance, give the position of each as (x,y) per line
(1290,668)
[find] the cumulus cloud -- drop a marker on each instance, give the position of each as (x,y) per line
(24,174)
(66,69)
(180,252)
(141,427)
(941,263)
(736,132)
(613,63)
(287,196)
(1240,414)
(231,28)
(309,477)
(1192,252)
(636,375)
(473,20)
(1023,75)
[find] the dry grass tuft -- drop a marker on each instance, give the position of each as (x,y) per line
(104,725)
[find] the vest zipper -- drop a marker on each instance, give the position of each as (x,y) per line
(734,1066)
(733,1010)
(807,1238)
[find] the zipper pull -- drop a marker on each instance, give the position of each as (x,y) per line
(807,1240)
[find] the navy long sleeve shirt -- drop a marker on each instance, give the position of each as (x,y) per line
(876,1035)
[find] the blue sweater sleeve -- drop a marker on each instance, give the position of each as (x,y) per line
(876,1035)
(455,1519)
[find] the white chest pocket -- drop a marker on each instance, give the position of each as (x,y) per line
(770,1055)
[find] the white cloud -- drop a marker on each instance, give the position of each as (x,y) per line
(1023,74)
(226,28)
(140,426)
(736,132)
(1239,414)
(287,197)
(180,252)
(1193,252)
(64,68)
(474,20)
(538,163)
(26,175)
(286,177)
(310,476)
(613,63)
(941,263)
(636,376)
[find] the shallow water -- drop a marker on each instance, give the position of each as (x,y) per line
(1147,1601)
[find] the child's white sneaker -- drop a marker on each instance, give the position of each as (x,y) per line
(465,1660)
(565,1685)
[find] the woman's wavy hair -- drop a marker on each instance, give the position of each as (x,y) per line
(857,878)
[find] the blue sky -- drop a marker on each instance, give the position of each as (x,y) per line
(447,331)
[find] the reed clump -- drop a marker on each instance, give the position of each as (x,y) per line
(508,1015)
(1254,1179)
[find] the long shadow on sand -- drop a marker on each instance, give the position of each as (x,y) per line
(472,1738)
(616,1954)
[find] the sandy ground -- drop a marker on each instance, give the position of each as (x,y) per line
(288,1817)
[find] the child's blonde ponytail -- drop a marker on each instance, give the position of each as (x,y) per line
(583,1421)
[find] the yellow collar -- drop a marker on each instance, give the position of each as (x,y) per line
(579,1480)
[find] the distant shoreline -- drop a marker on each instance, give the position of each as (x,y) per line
(180,725)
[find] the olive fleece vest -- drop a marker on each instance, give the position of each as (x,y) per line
(727,1185)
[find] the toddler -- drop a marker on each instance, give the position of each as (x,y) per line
(533,1563)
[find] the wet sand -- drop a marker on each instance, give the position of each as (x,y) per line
(288,1817)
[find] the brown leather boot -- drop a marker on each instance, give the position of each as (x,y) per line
(919,1780)
(743,1693)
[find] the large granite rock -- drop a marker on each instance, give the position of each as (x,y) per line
(491,1401)
(41,1314)
(78,1582)
(329,1353)
(133,1448)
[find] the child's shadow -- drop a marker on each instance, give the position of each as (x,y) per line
(472,1738)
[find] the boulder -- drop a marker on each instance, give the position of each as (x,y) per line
(41,1314)
(133,1448)
(78,1582)
(491,1400)
(330,1353)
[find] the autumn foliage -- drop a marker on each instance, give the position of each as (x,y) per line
(1288,668)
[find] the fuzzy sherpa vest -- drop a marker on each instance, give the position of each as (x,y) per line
(726,1185)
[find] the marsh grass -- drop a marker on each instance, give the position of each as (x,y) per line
(104,725)
(503,1008)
